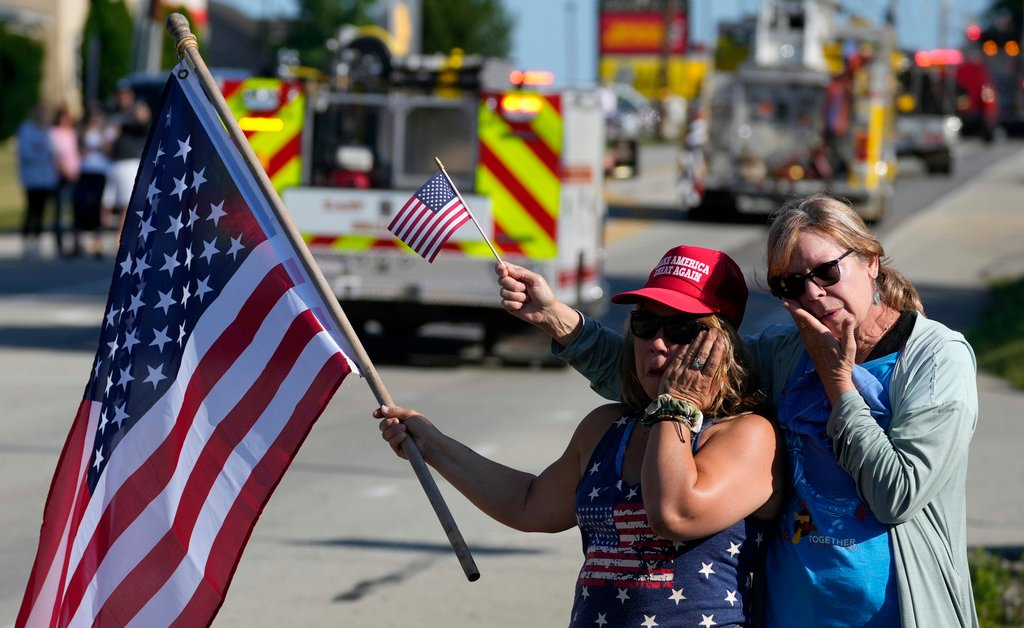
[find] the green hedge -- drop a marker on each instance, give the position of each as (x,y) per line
(998,338)
(21,71)
(998,589)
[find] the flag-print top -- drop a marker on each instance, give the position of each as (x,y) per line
(632,577)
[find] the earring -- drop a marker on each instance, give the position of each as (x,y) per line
(876,297)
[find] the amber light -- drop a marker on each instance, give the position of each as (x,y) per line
(521,104)
(255,124)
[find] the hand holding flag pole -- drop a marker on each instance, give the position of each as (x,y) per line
(188,48)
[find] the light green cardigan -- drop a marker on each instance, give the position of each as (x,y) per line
(913,477)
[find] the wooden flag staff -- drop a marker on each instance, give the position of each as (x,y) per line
(188,48)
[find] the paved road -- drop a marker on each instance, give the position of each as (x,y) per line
(348,538)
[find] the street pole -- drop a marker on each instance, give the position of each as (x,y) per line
(570,42)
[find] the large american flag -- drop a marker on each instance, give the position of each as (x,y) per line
(430,217)
(216,356)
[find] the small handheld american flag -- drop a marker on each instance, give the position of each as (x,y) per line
(433,214)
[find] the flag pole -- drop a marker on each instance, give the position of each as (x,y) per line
(188,48)
(468,210)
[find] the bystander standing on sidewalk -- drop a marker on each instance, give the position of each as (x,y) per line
(37,171)
(131,119)
(96,139)
(65,142)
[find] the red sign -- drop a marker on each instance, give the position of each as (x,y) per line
(623,32)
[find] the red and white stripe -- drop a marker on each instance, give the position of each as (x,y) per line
(424,230)
(157,541)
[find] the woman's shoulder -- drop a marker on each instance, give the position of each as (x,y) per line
(594,425)
(750,425)
(933,339)
(603,416)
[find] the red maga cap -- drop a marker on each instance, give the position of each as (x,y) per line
(695,280)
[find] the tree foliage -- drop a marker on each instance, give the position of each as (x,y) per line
(475,26)
(21,71)
(108,35)
(318,21)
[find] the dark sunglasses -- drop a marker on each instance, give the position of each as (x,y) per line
(679,330)
(793,285)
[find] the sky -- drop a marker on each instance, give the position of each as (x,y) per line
(561,35)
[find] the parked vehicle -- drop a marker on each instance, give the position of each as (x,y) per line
(927,125)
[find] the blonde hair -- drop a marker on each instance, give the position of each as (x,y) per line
(739,387)
(836,219)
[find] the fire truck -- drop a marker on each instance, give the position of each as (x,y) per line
(812,110)
(346,152)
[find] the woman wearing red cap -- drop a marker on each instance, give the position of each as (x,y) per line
(674,488)
(876,405)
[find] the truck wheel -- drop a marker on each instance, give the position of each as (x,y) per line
(942,164)
(715,205)
(874,209)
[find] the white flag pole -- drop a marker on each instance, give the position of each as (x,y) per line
(468,211)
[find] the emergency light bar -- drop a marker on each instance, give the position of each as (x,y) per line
(938,57)
(531,77)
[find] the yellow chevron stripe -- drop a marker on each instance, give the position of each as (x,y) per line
(520,161)
(289,175)
(478,248)
(548,127)
(269,143)
(513,218)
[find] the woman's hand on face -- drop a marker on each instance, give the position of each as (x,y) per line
(691,373)
(833,357)
(397,424)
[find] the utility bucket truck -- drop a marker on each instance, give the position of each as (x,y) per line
(810,111)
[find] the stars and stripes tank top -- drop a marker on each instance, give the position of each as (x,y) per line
(632,577)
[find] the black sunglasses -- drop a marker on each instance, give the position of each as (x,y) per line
(679,330)
(793,285)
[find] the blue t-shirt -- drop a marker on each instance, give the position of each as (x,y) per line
(832,564)
(632,577)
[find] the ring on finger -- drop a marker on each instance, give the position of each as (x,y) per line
(697,363)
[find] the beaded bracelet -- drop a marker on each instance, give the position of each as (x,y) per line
(668,408)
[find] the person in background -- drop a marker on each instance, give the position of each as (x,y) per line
(131,119)
(37,171)
(96,139)
(672,491)
(877,405)
(65,142)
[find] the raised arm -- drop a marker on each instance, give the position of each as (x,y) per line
(584,343)
(528,297)
(520,500)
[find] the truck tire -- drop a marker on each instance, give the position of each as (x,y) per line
(943,164)
(715,205)
(875,208)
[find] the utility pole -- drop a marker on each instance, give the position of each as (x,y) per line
(570,39)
